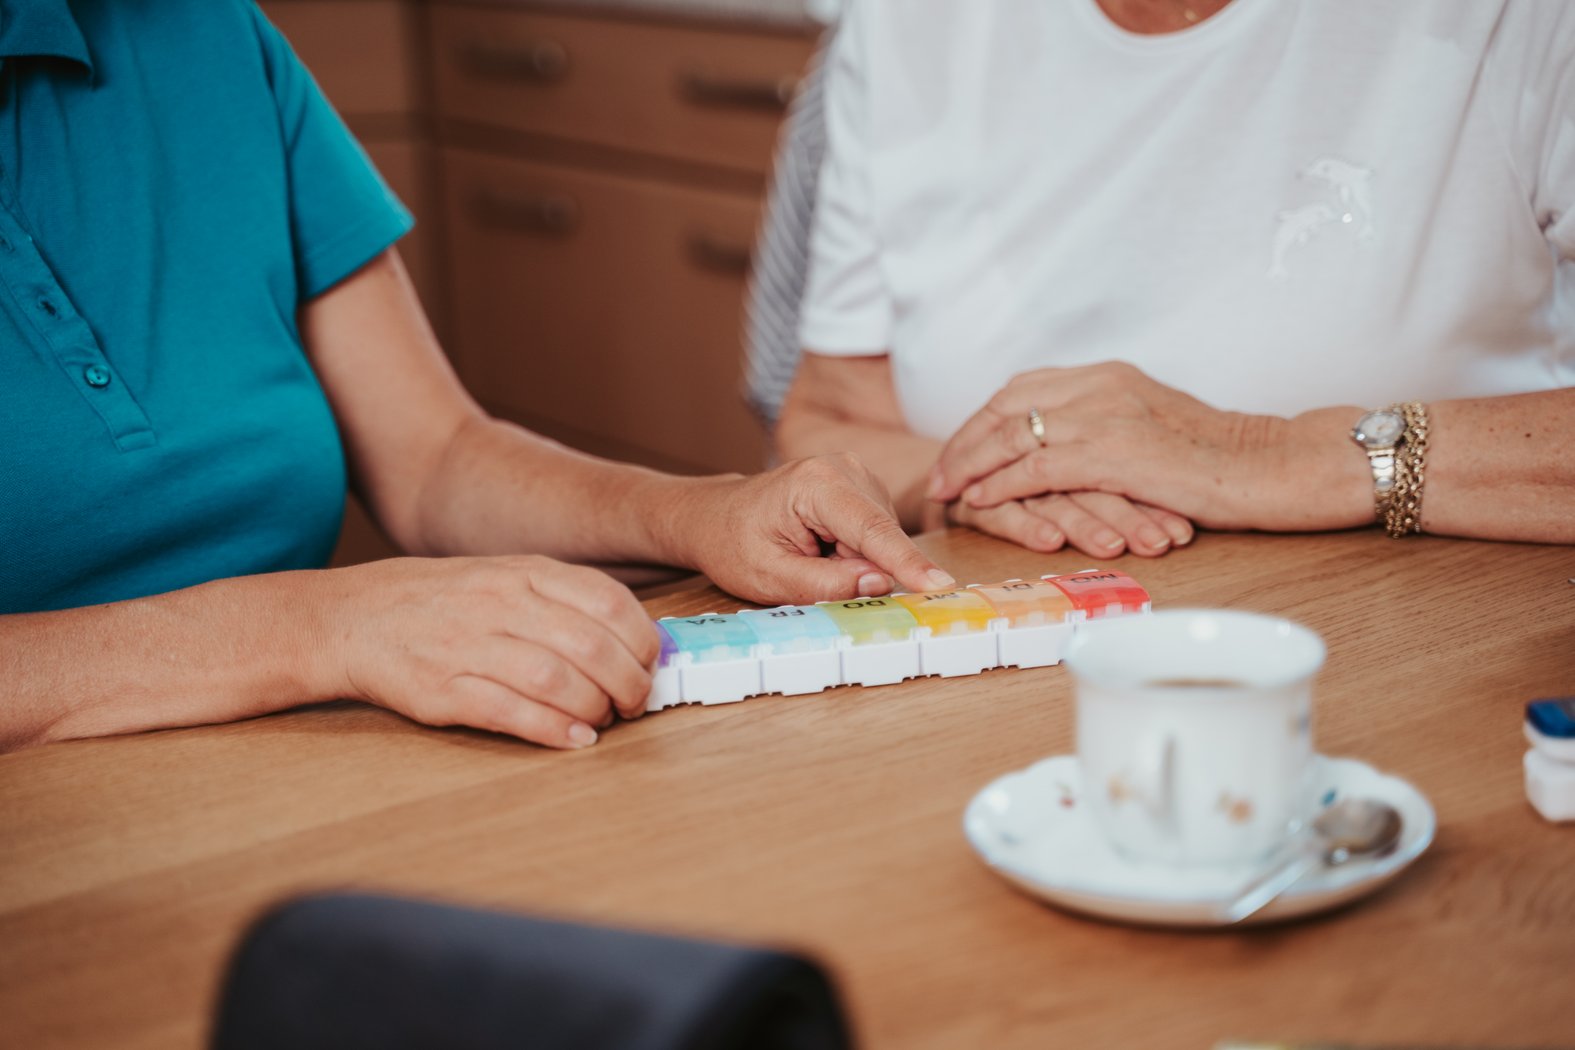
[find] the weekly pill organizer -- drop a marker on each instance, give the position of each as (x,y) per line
(797,649)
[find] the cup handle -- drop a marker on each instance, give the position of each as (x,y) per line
(1156,776)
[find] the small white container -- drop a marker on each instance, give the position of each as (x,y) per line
(1550,786)
(1550,764)
(1557,748)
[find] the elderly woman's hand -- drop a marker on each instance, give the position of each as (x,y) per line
(1099,524)
(1110,428)
(817,529)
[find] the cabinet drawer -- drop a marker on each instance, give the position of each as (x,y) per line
(363,54)
(683,92)
(597,305)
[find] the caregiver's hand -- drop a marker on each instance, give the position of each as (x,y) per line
(1110,428)
(762,537)
(522,645)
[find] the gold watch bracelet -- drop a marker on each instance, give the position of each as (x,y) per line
(1402,510)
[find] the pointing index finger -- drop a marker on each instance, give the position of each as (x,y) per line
(861,523)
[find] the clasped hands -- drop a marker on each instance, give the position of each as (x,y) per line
(1124,463)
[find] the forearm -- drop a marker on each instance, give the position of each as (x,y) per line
(215,653)
(1497,468)
(500,489)
(900,458)
(760,537)
(1502,468)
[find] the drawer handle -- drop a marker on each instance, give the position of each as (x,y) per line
(548,214)
(718,255)
(540,61)
(704,88)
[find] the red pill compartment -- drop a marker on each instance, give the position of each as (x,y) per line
(1099,593)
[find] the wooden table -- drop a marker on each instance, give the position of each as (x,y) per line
(128,867)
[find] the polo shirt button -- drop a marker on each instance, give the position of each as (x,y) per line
(97,376)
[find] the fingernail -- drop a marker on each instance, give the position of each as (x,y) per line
(971,495)
(934,488)
(1153,537)
(873,583)
(941,581)
(1107,540)
(1050,538)
(1182,536)
(581,735)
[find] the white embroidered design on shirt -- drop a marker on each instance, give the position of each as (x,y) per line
(1351,204)
(1349,183)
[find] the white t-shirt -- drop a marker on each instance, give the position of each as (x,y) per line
(1294,204)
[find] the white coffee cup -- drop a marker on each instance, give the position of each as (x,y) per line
(1194,732)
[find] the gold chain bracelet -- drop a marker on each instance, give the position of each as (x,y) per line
(1403,515)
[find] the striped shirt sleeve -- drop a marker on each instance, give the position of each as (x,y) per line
(781,264)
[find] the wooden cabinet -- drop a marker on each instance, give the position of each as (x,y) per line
(602,183)
(586,188)
(684,92)
(604,309)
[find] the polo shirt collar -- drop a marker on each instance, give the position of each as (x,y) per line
(42,28)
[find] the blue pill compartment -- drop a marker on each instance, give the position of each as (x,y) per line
(718,658)
(800,649)
(711,638)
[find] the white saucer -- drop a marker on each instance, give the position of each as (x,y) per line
(1031,827)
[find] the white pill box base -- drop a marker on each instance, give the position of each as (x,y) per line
(665,688)
(1041,646)
(955,655)
(719,681)
(880,663)
(795,674)
(1550,785)
(686,681)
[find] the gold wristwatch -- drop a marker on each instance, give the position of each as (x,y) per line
(1379,434)
(1395,440)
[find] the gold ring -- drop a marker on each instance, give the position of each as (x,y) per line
(1036,426)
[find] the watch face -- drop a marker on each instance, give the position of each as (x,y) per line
(1380,429)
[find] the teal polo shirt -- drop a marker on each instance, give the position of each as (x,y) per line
(173,187)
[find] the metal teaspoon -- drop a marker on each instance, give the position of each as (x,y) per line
(1352,827)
